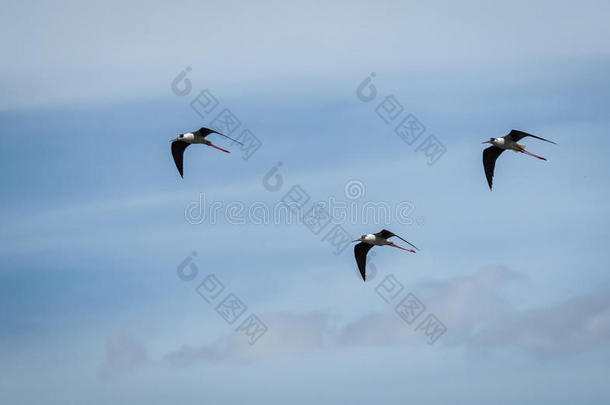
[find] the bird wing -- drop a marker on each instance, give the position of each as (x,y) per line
(360,251)
(517,135)
(385,234)
(178,148)
(207,131)
(489,162)
(204,132)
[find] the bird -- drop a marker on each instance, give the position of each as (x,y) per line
(374,239)
(180,143)
(499,145)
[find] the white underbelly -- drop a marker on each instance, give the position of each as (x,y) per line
(504,144)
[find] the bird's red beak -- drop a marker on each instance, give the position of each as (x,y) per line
(400,247)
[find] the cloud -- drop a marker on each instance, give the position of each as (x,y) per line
(287,333)
(471,307)
(476,313)
(65,48)
(124,353)
(570,326)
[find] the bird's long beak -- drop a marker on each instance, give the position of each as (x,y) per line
(400,247)
(357,240)
(486,142)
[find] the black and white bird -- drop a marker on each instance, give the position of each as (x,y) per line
(184,140)
(374,239)
(499,145)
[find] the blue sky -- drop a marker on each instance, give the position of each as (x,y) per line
(94,223)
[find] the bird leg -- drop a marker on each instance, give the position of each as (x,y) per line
(531,154)
(219,148)
(400,247)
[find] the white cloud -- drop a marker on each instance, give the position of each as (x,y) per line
(117,50)
(571,326)
(124,353)
(472,308)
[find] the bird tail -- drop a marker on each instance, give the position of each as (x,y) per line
(521,146)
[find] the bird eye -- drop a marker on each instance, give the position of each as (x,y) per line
(180,136)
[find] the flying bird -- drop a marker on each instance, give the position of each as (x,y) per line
(374,239)
(184,140)
(499,145)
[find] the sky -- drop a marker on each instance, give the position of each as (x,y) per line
(116,275)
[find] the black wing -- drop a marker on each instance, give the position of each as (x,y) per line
(489,162)
(207,131)
(517,135)
(204,132)
(385,234)
(360,251)
(178,148)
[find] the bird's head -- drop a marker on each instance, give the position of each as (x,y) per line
(491,140)
(188,137)
(361,238)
